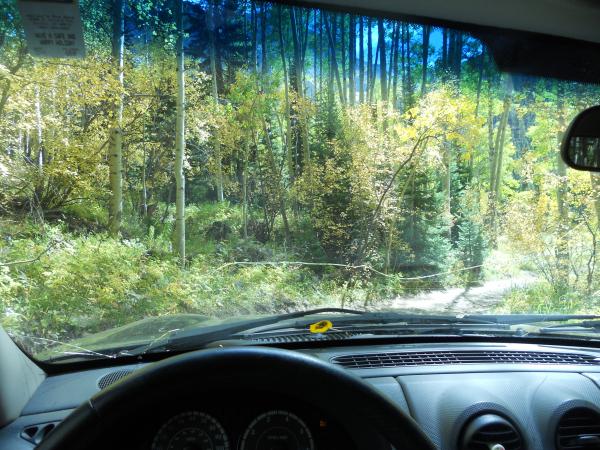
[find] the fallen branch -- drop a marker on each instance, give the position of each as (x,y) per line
(440,273)
(298,263)
(29,261)
(346,266)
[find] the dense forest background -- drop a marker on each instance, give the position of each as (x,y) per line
(230,157)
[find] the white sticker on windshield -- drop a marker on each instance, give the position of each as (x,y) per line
(53,28)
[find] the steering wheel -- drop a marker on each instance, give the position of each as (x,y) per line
(328,387)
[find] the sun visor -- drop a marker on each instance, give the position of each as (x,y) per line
(542,55)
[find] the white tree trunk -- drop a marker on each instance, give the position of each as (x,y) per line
(144,187)
(595,181)
(245,190)
(115,160)
(448,187)
(38,145)
(180,141)
(20,150)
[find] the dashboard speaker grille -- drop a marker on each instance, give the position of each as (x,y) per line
(112,377)
(579,428)
(400,359)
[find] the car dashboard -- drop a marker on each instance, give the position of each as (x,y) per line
(463,395)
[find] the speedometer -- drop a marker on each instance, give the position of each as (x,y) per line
(191,430)
(277,430)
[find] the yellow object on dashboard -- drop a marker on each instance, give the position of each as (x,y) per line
(321,327)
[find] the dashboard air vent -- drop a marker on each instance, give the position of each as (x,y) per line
(400,359)
(112,377)
(490,431)
(36,433)
(578,428)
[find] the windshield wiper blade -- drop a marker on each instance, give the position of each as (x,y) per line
(582,326)
(349,332)
(199,337)
(193,338)
(392,317)
(389,319)
(64,354)
(521,319)
(69,356)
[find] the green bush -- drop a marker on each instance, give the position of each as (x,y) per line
(85,284)
(541,298)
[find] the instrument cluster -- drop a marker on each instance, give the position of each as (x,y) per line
(252,428)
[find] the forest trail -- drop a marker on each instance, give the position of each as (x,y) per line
(465,300)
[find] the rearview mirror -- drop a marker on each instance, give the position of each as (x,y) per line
(581,143)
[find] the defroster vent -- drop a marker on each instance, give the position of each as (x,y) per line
(301,337)
(402,359)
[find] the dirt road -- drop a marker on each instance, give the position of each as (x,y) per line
(469,300)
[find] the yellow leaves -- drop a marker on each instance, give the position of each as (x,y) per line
(582,190)
(542,210)
(410,133)
(465,156)
(523,222)
(411,113)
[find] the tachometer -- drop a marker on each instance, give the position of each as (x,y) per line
(191,430)
(277,430)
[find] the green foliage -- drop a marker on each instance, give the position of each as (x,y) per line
(423,245)
(472,242)
(392,189)
(542,298)
(89,283)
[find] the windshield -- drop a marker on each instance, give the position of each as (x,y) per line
(215,161)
